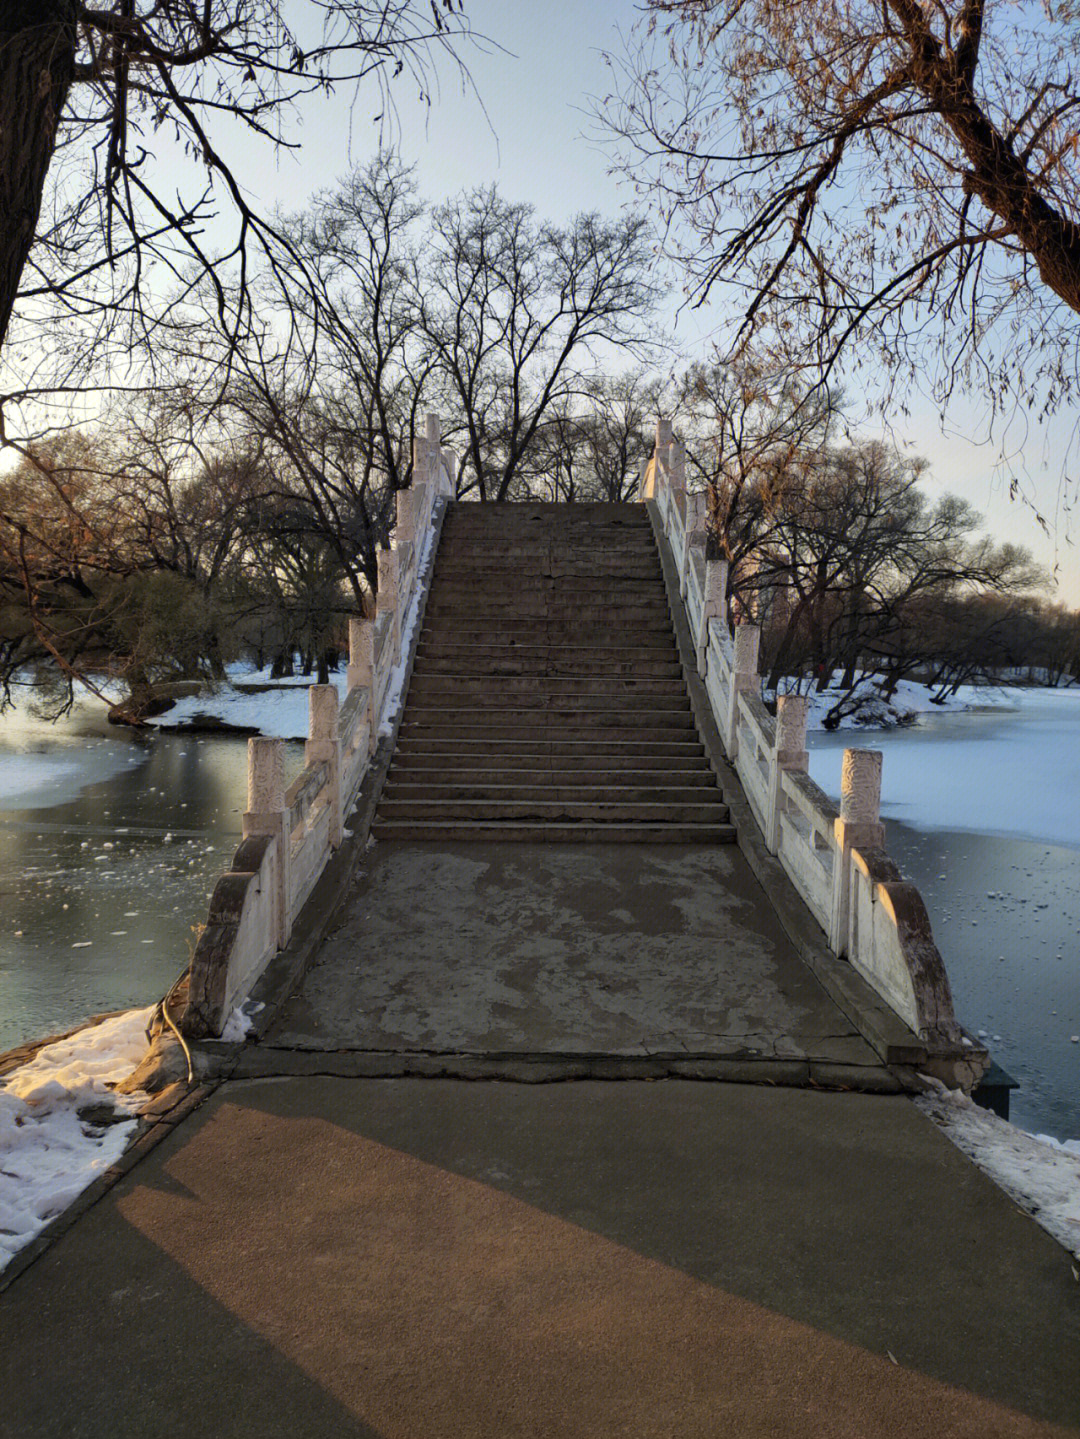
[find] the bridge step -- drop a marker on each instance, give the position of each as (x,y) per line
(470,727)
(624,753)
(567,789)
(594,619)
(638,565)
(510,665)
(524,579)
(694,811)
(549,517)
(547,699)
(552,832)
(574,691)
(531,635)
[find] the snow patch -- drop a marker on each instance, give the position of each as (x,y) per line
(865,707)
(62,1124)
(280,713)
(240,1023)
(1041,1174)
(395,687)
(1015,771)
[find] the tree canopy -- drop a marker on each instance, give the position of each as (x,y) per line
(119,125)
(889,179)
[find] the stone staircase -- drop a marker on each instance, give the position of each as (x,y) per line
(547,700)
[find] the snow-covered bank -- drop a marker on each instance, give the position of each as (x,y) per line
(62,1124)
(1040,1173)
(280,712)
(278,708)
(865,708)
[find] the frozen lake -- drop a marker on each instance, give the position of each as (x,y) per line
(983,815)
(110,842)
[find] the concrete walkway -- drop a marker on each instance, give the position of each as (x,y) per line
(620,950)
(430,1258)
(433,1259)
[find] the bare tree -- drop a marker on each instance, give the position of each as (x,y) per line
(519,314)
(900,173)
(102,107)
(593,447)
(857,549)
(117,565)
(747,427)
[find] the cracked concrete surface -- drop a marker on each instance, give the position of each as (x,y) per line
(570,949)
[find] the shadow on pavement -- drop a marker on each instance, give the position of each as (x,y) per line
(437,1258)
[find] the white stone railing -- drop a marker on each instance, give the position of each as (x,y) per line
(835,858)
(290,833)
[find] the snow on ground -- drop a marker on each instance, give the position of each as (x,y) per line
(865,708)
(1040,1173)
(240,1023)
(48,1154)
(281,713)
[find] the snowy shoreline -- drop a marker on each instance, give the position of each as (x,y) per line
(1039,1172)
(254,702)
(62,1123)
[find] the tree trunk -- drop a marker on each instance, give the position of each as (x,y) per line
(787,644)
(37,63)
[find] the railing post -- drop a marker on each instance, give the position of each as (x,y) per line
(324,746)
(422,466)
(744,678)
(652,486)
(405,529)
(361,669)
(714,608)
(747,604)
(677,467)
(694,534)
(859,824)
(448,473)
(387,598)
(428,456)
(266,815)
(789,754)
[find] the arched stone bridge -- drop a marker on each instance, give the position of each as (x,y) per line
(551,834)
(595,850)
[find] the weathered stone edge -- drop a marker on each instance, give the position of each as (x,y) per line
(319,914)
(551,1068)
